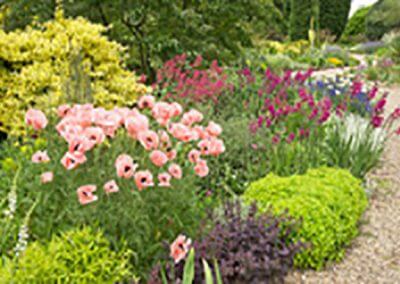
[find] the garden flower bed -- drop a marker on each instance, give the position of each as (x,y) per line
(202,170)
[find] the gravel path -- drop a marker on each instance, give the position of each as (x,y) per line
(374,256)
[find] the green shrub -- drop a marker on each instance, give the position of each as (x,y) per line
(35,66)
(356,25)
(333,16)
(300,18)
(382,18)
(78,256)
(328,201)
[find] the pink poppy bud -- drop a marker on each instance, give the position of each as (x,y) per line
(46,177)
(164,180)
(36,118)
(111,187)
(85,194)
(175,171)
(158,158)
(179,248)
(143,179)
(40,157)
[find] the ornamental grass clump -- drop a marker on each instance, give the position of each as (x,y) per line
(329,202)
(243,246)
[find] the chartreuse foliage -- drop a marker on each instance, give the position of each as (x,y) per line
(35,68)
(328,201)
(78,256)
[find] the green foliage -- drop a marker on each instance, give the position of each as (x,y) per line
(333,16)
(300,18)
(328,201)
(156,31)
(382,18)
(78,256)
(35,69)
(356,25)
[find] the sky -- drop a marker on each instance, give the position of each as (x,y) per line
(356,4)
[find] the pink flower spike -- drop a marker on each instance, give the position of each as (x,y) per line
(179,248)
(36,118)
(40,157)
(164,180)
(46,177)
(175,171)
(85,194)
(143,179)
(111,187)
(158,158)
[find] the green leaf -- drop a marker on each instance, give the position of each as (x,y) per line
(188,273)
(207,272)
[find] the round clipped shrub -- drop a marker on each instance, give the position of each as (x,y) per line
(328,201)
(37,63)
(78,256)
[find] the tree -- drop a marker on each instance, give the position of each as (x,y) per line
(334,16)
(382,18)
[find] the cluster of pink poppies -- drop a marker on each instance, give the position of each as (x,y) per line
(84,126)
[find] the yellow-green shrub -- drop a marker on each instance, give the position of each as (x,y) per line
(35,66)
(329,203)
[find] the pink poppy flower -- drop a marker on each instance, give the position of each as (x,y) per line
(216,147)
(143,179)
(69,130)
(194,156)
(179,248)
(214,129)
(204,146)
(164,139)
(136,124)
(191,117)
(80,145)
(171,154)
(201,168)
(146,101)
(95,135)
(164,180)
(46,177)
(149,139)
(85,194)
(175,109)
(182,132)
(72,160)
(125,166)
(63,110)
(175,171)
(109,122)
(162,112)
(201,132)
(40,157)
(111,187)
(158,158)
(36,119)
